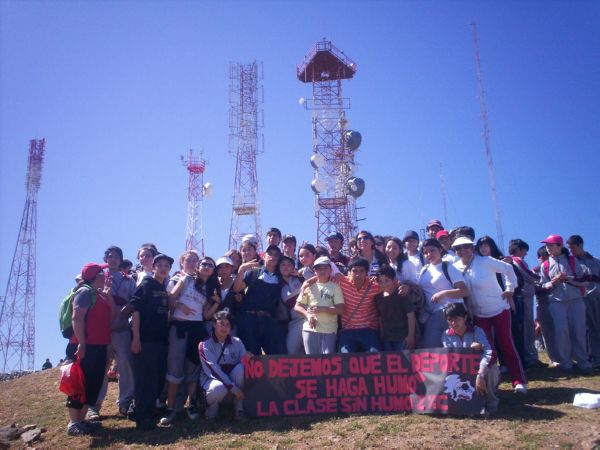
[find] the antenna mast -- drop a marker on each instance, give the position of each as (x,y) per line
(245,119)
(486,139)
(443,188)
(17,311)
(197,190)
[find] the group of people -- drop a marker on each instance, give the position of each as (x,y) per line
(181,337)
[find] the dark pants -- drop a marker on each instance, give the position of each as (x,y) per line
(149,370)
(93,366)
(258,332)
(359,340)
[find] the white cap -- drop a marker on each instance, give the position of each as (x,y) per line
(224,260)
(462,241)
(322,261)
(250,239)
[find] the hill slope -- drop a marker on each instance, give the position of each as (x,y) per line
(544,418)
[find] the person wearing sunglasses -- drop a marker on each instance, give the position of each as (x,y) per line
(368,250)
(491,305)
(193,298)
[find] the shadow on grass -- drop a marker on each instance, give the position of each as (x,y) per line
(186,429)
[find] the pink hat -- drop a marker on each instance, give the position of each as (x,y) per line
(441,233)
(91,270)
(553,239)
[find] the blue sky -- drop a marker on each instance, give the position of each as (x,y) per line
(121,89)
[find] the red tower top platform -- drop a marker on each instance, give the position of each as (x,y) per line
(325,62)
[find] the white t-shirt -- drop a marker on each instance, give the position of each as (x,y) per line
(190,297)
(433,280)
(484,291)
(411,268)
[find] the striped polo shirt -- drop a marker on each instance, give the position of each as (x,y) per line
(366,315)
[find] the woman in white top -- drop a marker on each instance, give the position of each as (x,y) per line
(396,258)
(189,291)
(414,257)
(442,283)
(490,305)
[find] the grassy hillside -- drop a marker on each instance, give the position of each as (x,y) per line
(544,418)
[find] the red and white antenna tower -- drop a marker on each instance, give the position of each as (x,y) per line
(245,119)
(334,184)
(17,313)
(197,191)
(486,139)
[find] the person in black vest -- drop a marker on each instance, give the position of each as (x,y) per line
(150,340)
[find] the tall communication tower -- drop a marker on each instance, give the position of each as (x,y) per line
(245,119)
(197,190)
(443,189)
(17,312)
(486,139)
(334,184)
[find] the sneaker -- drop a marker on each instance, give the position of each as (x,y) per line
(193,413)
(93,414)
(521,388)
(77,429)
(169,417)
(131,412)
(240,416)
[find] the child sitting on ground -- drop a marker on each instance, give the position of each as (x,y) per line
(461,334)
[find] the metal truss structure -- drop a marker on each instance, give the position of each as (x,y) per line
(17,311)
(245,120)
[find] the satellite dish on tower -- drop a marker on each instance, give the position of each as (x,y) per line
(318,186)
(353,139)
(356,186)
(317,160)
(208,189)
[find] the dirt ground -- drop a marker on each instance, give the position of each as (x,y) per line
(544,418)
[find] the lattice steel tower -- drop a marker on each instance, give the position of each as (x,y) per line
(486,140)
(17,312)
(245,120)
(334,184)
(197,191)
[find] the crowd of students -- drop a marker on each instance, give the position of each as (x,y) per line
(182,337)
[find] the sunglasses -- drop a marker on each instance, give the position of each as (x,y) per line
(463,247)
(207,265)
(363,238)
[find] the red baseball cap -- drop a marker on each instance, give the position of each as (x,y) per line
(91,270)
(553,239)
(441,233)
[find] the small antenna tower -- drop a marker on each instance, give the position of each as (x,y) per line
(486,139)
(335,186)
(17,309)
(443,188)
(245,119)
(197,190)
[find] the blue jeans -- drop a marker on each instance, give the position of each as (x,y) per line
(359,340)
(393,346)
